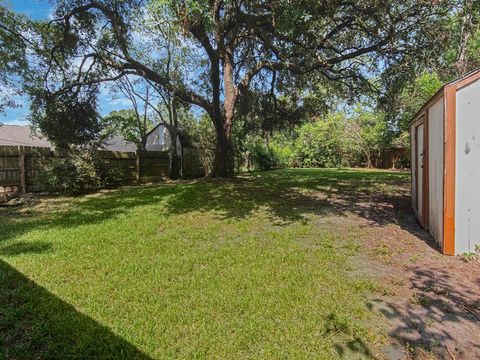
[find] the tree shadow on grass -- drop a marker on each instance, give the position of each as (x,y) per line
(35,324)
(23,247)
(354,347)
(89,210)
(292,195)
(286,196)
(441,313)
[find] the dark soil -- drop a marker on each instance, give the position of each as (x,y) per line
(431,302)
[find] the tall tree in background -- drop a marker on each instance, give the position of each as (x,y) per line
(463,40)
(69,119)
(133,124)
(455,51)
(366,134)
(13,55)
(339,40)
(167,108)
(145,98)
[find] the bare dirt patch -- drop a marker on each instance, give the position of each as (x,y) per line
(431,303)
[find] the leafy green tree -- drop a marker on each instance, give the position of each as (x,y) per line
(353,138)
(13,55)
(131,125)
(241,43)
(414,95)
(282,145)
(366,136)
(320,143)
(263,156)
(454,53)
(463,42)
(199,133)
(68,119)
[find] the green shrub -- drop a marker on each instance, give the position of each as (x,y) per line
(320,143)
(282,146)
(80,171)
(263,157)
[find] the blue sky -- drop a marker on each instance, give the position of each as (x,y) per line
(37,9)
(41,9)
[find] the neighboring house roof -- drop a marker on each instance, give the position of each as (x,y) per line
(118,143)
(16,135)
(180,134)
(471,76)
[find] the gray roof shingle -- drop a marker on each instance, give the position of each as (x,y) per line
(17,135)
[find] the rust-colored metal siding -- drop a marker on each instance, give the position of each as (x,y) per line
(449,173)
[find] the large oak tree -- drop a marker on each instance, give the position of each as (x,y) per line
(231,42)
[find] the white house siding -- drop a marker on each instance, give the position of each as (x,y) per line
(467,192)
(435,167)
(159,140)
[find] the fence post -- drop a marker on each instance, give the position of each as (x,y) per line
(21,169)
(138,169)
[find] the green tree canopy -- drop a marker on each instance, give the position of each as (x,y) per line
(68,118)
(235,46)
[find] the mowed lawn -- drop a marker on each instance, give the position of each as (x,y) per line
(256,267)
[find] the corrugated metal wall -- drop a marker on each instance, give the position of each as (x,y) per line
(467,192)
(436,165)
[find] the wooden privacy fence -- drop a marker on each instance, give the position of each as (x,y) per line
(20,166)
(395,158)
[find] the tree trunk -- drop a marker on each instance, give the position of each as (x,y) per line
(224,163)
(175,166)
(369,160)
(174,158)
(465,31)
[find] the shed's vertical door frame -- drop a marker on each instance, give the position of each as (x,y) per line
(420,169)
(426,171)
(413,165)
(450,104)
(415,178)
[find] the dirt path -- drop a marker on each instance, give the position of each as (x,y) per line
(431,304)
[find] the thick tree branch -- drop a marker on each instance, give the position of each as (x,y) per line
(119,29)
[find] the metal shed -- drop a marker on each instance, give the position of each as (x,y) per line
(445,146)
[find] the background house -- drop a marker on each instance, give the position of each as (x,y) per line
(21,151)
(16,135)
(158,139)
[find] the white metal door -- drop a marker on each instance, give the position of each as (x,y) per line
(420,169)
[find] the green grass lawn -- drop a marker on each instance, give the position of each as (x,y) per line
(257,267)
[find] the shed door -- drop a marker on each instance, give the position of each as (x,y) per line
(419,162)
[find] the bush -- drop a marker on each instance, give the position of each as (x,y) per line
(282,146)
(80,171)
(320,143)
(200,135)
(263,157)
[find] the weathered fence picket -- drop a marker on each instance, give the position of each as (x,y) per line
(19,165)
